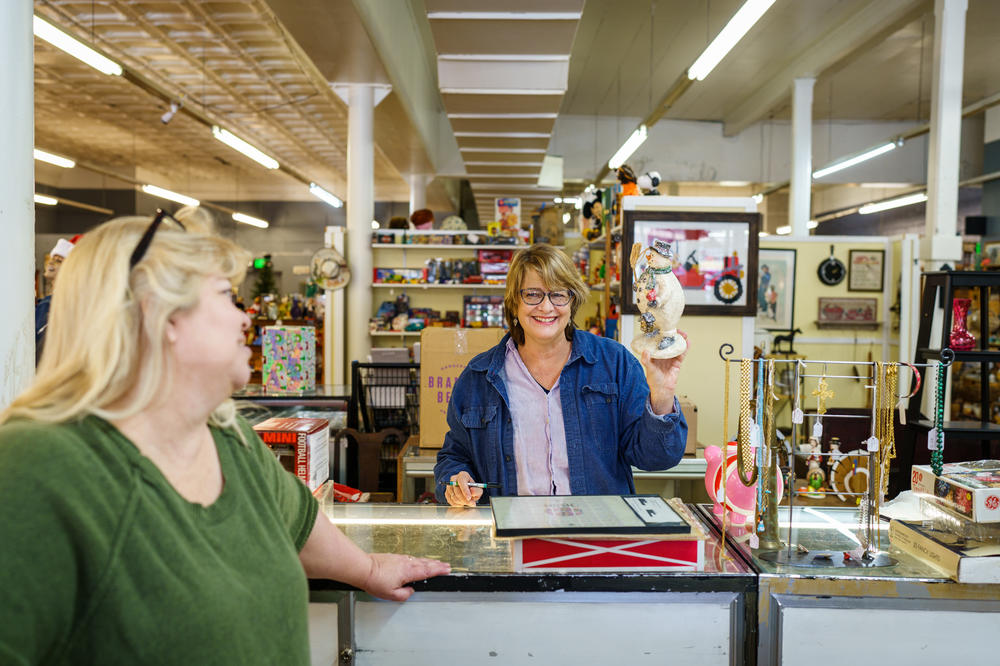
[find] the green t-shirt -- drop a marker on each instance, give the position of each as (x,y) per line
(102,562)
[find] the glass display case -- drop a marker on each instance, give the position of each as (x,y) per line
(484,609)
(906,612)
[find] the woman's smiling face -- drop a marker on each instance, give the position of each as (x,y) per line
(543,323)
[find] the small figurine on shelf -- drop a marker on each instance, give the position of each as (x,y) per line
(815,475)
(296,311)
(649,181)
(593,217)
(627,178)
(660,300)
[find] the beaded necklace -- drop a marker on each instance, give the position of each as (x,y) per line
(936,441)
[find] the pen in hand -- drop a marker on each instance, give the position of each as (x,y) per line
(471,484)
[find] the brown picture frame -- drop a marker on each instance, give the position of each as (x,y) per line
(866,270)
(710,248)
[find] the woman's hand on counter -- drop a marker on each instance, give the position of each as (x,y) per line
(390,573)
(662,375)
(461,494)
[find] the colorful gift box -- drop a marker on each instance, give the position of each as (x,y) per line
(289,358)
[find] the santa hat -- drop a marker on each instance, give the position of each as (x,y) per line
(63,247)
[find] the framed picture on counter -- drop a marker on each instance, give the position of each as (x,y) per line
(714,255)
(776,290)
(865,270)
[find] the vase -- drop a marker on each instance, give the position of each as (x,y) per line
(960,338)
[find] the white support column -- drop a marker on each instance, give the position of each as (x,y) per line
(801,178)
(360,209)
(941,242)
(418,191)
(17,213)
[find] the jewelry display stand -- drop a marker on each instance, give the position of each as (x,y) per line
(759,443)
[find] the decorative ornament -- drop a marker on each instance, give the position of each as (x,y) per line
(831,270)
(660,299)
(960,338)
(822,392)
(328,269)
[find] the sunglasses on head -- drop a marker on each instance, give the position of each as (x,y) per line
(147,236)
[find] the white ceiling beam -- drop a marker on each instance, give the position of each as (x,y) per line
(869,24)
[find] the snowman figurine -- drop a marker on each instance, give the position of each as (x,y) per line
(660,299)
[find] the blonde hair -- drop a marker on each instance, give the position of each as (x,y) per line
(556,271)
(104,347)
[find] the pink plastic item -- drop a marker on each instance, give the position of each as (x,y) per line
(740,500)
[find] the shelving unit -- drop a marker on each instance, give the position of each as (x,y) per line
(939,291)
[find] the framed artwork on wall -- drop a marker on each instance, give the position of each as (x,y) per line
(866,268)
(837,312)
(991,251)
(776,290)
(714,254)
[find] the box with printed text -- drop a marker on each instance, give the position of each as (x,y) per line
(970,489)
(302,446)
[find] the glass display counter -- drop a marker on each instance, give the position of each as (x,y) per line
(904,613)
(485,610)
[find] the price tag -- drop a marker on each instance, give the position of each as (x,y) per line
(797,416)
(754,541)
(755,436)
(872,443)
(932,442)
(818,430)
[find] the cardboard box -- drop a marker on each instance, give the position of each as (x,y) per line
(444,353)
(301,445)
(970,489)
(289,358)
(690,412)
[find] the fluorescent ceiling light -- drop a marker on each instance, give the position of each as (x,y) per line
(252,221)
(491,116)
(631,144)
(566,218)
(738,26)
(59,39)
(319,192)
(733,183)
(375,224)
(571,200)
(857,159)
(812,224)
(502,91)
(236,143)
(783,231)
(171,196)
(505,16)
(762,234)
(63,162)
(909,199)
(757,198)
(505,135)
(45,201)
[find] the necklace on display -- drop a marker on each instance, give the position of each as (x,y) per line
(935,438)
(744,448)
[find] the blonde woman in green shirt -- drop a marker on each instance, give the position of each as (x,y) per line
(142,520)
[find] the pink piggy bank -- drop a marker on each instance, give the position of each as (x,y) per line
(740,500)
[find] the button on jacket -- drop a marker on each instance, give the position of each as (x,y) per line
(605,403)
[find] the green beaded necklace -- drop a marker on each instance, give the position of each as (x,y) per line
(937,455)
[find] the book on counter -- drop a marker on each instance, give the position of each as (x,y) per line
(541,515)
(962,559)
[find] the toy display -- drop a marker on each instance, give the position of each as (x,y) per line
(289,358)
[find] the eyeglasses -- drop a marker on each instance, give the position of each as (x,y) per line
(536,296)
(147,237)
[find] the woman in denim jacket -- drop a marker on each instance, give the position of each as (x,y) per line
(552,410)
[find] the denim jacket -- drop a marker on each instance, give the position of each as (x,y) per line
(605,403)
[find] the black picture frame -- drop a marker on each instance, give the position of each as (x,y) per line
(866,270)
(719,234)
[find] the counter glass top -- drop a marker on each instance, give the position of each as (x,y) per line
(462,537)
(833,530)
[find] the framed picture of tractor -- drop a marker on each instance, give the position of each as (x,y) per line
(714,258)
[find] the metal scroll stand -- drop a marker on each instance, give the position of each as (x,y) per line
(771,547)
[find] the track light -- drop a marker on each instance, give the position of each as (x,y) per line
(252,221)
(631,144)
(59,39)
(169,195)
(170,113)
(320,193)
(236,143)
(63,162)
